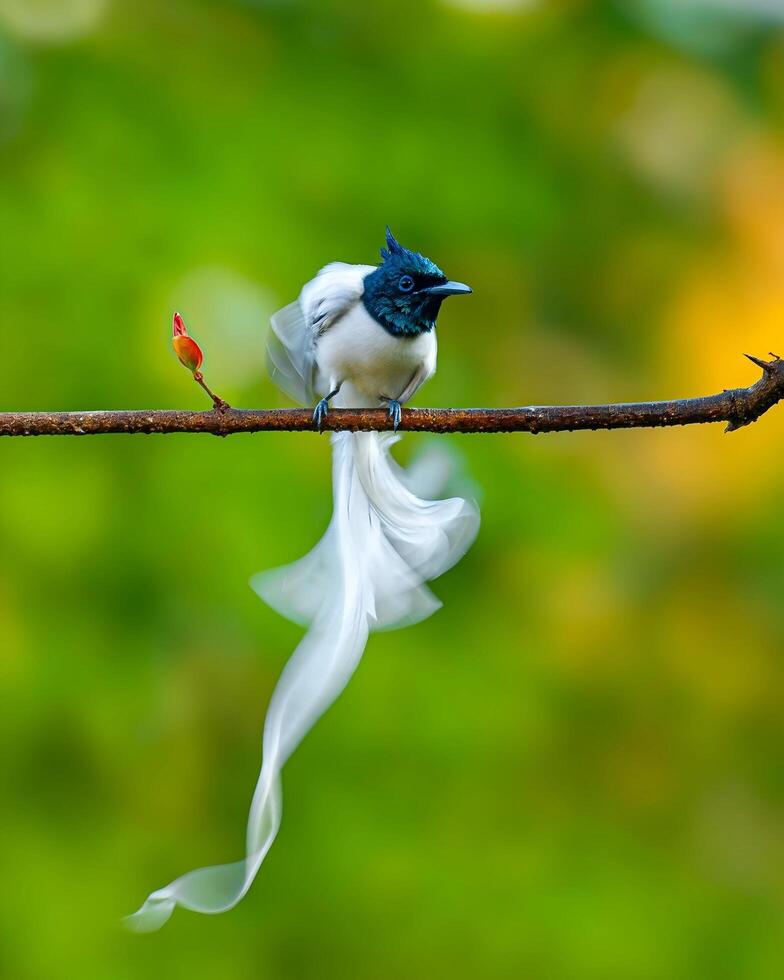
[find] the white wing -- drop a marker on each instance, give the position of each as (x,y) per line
(291,345)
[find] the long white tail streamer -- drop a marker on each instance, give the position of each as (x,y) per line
(367,573)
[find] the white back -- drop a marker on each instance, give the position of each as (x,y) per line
(335,290)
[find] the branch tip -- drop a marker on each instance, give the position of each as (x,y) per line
(766,366)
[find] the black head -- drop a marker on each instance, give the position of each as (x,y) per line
(404,294)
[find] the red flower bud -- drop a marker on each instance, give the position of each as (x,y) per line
(185,347)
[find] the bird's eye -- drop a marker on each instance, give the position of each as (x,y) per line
(406,284)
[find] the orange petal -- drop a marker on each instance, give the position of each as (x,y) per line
(188,352)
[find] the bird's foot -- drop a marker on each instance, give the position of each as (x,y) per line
(320,412)
(395,411)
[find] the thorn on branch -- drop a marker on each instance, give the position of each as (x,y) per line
(767,366)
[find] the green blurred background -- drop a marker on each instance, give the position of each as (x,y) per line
(576,769)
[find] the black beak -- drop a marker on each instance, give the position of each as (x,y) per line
(448,289)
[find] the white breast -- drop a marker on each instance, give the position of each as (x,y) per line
(369,361)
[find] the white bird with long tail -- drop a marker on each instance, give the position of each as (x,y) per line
(358,336)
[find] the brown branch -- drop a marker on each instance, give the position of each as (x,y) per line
(737,407)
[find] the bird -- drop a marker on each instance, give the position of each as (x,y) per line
(357,336)
(370,328)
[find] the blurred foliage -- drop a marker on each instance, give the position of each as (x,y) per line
(575,771)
